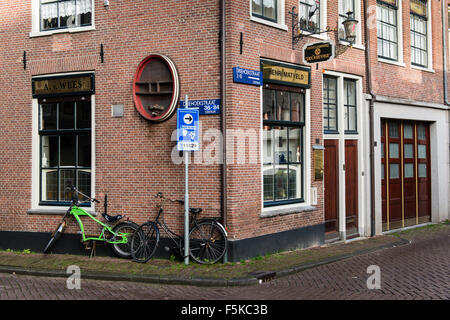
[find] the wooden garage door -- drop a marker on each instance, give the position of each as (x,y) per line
(405,173)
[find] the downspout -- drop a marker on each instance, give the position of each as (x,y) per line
(444,52)
(223,122)
(371,119)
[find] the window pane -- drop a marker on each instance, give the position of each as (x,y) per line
(66,13)
(84,183)
(297,107)
(268,183)
(393,150)
(408,151)
(421,133)
(422,151)
(407,131)
(66,178)
(382,150)
(48,116)
(67,115)
(83,114)
(281,182)
(269,9)
(50,149)
(295,145)
(394,171)
(84,12)
(68,151)
(281,144)
(267,145)
(295,181)
(393,130)
(269,104)
(409,170)
(382,171)
(256,7)
(84,150)
(283,105)
(422,170)
(49,16)
(49,185)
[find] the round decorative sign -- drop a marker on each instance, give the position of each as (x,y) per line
(156,88)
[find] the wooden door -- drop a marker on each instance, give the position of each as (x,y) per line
(351,187)
(331,185)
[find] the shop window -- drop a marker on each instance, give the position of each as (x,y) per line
(65,148)
(283,138)
(60,14)
(265,9)
(419,33)
(387,29)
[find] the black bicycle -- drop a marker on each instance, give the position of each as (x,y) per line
(207,237)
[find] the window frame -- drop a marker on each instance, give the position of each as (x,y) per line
(384,5)
(75,132)
(262,16)
(327,130)
(36,22)
(348,105)
(302,142)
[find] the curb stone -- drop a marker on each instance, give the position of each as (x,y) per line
(208,282)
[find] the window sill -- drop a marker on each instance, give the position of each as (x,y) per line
(355,45)
(269,23)
(397,63)
(422,69)
(54,211)
(58,31)
(285,210)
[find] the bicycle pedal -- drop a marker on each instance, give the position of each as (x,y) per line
(166,249)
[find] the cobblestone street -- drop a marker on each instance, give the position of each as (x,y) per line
(419,270)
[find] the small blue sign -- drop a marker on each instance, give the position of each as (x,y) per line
(187,129)
(211,106)
(247,76)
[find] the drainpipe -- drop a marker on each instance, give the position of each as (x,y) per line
(223,114)
(371,119)
(444,53)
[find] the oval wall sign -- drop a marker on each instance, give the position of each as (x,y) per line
(156,88)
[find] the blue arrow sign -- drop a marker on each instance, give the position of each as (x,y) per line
(188,129)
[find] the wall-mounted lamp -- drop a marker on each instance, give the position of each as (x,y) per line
(106,3)
(305,28)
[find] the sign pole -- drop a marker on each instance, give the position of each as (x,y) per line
(186,202)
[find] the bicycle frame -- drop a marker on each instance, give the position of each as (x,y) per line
(78,212)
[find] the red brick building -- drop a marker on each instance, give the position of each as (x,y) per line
(278,188)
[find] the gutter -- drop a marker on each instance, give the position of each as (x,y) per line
(223,122)
(371,120)
(444,53)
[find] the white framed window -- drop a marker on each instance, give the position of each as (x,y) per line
(268,12)
(389,31)
(56,16)
(312,15)
(420,25)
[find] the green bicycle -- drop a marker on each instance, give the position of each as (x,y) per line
(114,232)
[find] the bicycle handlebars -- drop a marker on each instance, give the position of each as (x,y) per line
(73,189)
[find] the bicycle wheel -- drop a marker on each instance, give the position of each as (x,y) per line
(123,250)
(207,242)
(144,242)
(55,236)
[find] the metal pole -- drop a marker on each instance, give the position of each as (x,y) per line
(186,202)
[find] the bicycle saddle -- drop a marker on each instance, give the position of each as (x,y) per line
(195,210)
(112,219)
